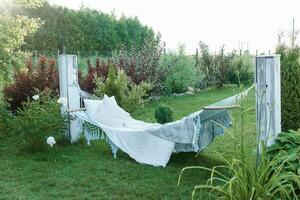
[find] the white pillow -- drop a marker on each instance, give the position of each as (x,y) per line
(111,114)
(111,103)
(92,107)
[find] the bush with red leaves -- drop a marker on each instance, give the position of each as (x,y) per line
(143,64)
(45,75)
(87,83)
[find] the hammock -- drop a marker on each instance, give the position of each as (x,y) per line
(152,143)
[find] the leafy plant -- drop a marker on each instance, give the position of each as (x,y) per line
(290,87)
(236,180)
(26,80)
(221,63)
(87,30)
(286,149)
(6,119)
(255,179)
(215,67)
(128,94)
(164,114)
(181,69)
(142,64)
(14,30)
(87,83)
(39,119)
(240,69)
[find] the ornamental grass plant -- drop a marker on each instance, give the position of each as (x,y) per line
(246,177)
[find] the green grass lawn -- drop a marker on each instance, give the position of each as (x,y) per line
(79,171)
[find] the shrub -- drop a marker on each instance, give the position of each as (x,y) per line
(244,180)
(45,75)
(215,67)
(141,64)
(128,94)
(164,114)
(39,119)
(290,87)
(286,150)
(6,119)
(87,83)
(14,29)
(240,178)
(136,96)
(115,84)
(206,64)
(241,69)
(221,64)
(182,72)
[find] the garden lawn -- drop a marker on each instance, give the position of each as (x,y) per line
(79,171)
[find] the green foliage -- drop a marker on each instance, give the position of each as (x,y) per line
(286,149)
(40,119)
(43,75)
(181,69)
(6,119)
(128,94)
(164,114)
(115,85)
(215,67)
(141,63)
(290,87)
(13,31)
(221,64)
(135,95)
(206,64)
(151,182)
(240,178)
(241,69)
(85,30)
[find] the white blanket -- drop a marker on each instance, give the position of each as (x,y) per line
(131,135)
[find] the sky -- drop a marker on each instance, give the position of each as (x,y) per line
(252,24)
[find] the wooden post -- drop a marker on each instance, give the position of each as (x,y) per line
(69,90)
(268,98)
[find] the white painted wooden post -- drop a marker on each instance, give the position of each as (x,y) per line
(69,90)
(268,98)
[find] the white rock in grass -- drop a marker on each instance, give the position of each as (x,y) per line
(35,97)
(188,92)
(190,89)
(51,141)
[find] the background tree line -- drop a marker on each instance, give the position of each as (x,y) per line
(83,30)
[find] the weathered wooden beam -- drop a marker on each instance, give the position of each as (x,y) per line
(221,107)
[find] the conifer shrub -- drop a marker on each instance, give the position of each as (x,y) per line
(128,94)
(164,114)
(290,87)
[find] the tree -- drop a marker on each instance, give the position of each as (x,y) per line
(13,31)
(86,30)
(181,71)
(215,67)
(290,81)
